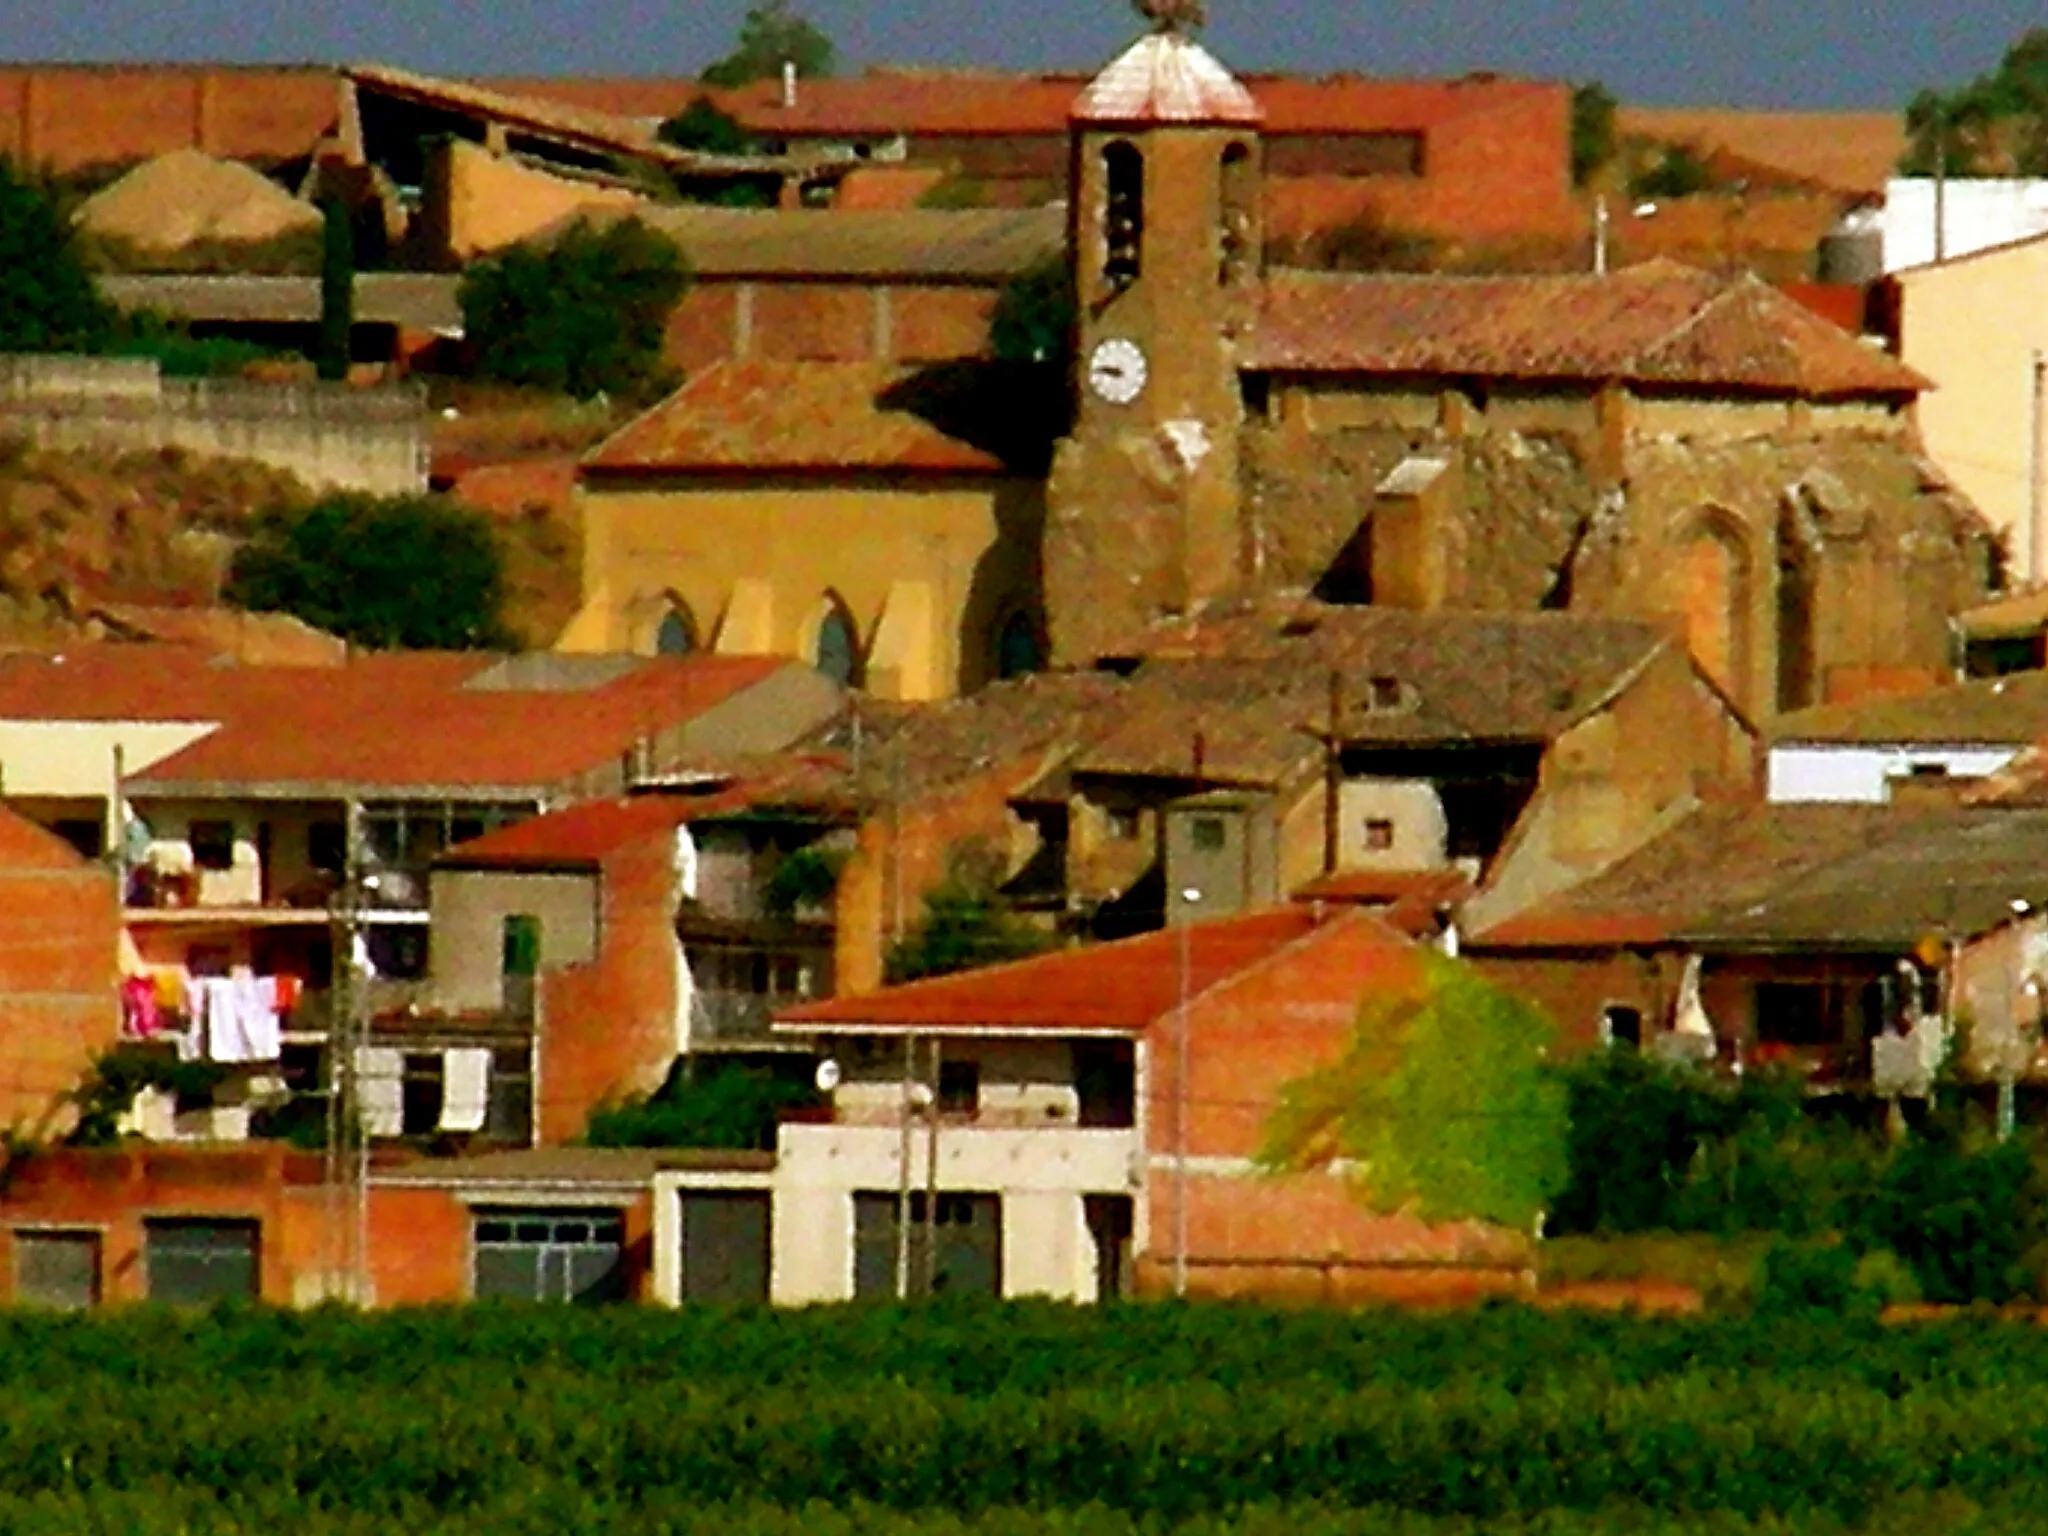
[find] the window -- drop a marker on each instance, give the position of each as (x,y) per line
(1621,1026)
(1234,238)
(397,950)
(1385,692)
(1017,649)
(550,1255)
(327,846)
(960,1088)
(1106,1083)
(1379,835)
(57,1269)
(522,944)
(1123,214)
(420,1093)
(509,1117)
(213,844)
(194,1261)
(1206,834)
(85,833)
(838,648)
(676,636)
(1124,826)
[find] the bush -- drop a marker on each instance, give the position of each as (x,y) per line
(48,302)
(1802,1278)
(718,1104)
(965,923)
(583,315)
(386,572)
(1962,1217)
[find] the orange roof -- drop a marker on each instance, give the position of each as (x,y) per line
(395,720)
(585,835)
(792,417)
(1120,988)
(886,103)
(1658,323)
(1850,151)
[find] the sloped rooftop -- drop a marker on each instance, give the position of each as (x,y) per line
(1992,711)
(1658,324)
(1165,77)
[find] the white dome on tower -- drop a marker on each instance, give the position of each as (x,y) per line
(1166,78)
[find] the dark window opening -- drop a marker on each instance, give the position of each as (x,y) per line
(677,636)
(1123,222)
(838,650)
(1206,834)
(86,834)
(1384,692)
(1106,1083)
(1379,835)
(1110,1225)
(1018,652)
(213,844)
(397,950)
(960,1089)
(1124,825)
(327,846)
(421,1092)
(1622,1026)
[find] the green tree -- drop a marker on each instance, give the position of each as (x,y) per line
(1033,320)
(583,314)
(1593,144)
(771,35)
(386,572)
(721,1104)
(702,126)
(1994,125)
(1677,171)
(965,923)
(1442,1100)
(47,299)
(337,288)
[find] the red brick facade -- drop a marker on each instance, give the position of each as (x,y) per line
(60,922)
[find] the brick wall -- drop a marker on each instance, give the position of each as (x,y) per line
(74,117)
(1304,1233)
(609,1028)
(58,973)
(804,320)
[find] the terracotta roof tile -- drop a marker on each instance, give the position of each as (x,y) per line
(1124,987)
(886,103)
(792,417)
(394,720)
(584,836)
(1656,324)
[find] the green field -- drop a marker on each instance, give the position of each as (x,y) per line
(1017,1419)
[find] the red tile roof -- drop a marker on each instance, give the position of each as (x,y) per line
(886,103)
(1107,988)
(394,720)
(584,836)
(1656,324)
(768,417)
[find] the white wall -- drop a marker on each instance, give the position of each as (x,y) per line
(1809,772)
(1976,213)
(1041,1177)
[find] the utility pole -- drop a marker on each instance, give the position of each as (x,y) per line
(904,1147)
(1183,1097)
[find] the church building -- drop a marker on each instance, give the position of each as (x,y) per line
(1659,442)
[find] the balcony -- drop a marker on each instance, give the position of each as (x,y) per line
(740,1020)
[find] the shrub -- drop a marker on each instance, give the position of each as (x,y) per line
(725,1104)
(47,299)
(582,315)
(1805,1277)
(387,572)
(1961,1216)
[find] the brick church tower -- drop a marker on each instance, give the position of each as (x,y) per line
(1164,238)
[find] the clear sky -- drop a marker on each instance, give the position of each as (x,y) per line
(1762,53)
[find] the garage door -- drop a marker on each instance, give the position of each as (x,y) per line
(194,1261)
(725,1245)
(967,1256)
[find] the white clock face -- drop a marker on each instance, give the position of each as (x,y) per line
(1116,370)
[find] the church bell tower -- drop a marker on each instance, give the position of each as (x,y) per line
(1164,239)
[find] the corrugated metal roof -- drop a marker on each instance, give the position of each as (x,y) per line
(981,245)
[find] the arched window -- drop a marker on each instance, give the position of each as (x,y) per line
(1123,213)
(676,636)
(1714,593)
(837,652)
(1238,193)
(1017,649)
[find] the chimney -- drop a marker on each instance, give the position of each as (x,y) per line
(788,83)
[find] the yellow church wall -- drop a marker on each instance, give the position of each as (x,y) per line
(927,573)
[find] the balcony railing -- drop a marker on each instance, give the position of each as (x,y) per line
(738,1018)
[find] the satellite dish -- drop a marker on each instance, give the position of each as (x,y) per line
(828,1075)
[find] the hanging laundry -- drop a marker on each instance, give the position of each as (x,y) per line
(141,1017)
(255,1005)
(380,1090)
(465,1088)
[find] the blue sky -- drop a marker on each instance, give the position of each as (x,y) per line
(1762,53)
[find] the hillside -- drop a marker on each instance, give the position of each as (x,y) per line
(80,530)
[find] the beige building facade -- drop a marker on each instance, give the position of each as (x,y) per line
(1976,327)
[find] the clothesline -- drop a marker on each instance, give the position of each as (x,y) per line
(232,1018)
